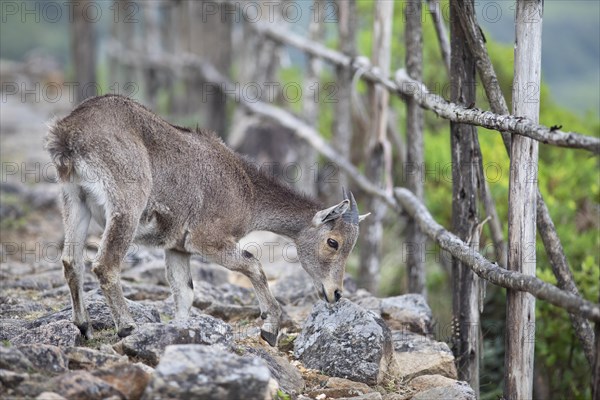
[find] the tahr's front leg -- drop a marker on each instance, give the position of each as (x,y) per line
(244,262)
(180,280)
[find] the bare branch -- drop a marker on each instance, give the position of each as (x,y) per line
(488,270)
(407,87)
(440,31)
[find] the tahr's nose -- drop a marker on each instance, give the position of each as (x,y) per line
(337,294)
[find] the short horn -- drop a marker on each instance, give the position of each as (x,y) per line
(353,211)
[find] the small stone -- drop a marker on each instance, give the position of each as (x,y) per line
(457,391)
(366,396)
(86,358)
(346,341)
(129,379)
(419,355)
(287,376)
(340,387)
(82,385)
(45,357)
(426,382)
(10,379)
(148,341)
(49,396)
(58,333)
(408,312)
(14,360)
(208,372)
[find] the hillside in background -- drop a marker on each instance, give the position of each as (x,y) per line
(570,47)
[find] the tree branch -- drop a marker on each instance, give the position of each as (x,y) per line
(488,270)
(405,86)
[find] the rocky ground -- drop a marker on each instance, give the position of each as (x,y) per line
(361,348)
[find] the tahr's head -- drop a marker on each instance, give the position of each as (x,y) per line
(324,246)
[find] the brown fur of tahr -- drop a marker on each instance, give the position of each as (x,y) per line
(185,191)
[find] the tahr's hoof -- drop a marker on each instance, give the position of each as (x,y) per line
(86,330)
(126,331)
(269,337)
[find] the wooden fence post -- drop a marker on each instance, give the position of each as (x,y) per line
(83,50)
(520,306)
(465,185)
(343,127)
(415,161)
(377,168)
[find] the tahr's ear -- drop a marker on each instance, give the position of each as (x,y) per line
(361,217)
(331,213)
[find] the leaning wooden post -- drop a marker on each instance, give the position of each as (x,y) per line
(465,184)
(307,156)
(414,141)
(379,157)
(520,306)
(83,50)
(342,122)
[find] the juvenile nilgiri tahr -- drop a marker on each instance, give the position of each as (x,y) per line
(157,184)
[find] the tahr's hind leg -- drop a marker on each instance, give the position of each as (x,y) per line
(76,218)
(180,280)
(118,234)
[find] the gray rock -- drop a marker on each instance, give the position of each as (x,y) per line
(207,372)
(58,333)
(149,341)
(45,357)
(366,396)
(340,387)
(206,294)
(405,341)
(426,382)
(407,312)
(129,379)
(99,312)
(149,272)
(457,391)
(419,355)
(346,341)
(12,359)
(15,307)
(49,396)
(367,301)
(295,288)
(145,291)
(10,379)
(287,376)
(86,358)
(82,385)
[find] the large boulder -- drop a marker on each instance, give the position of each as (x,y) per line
(346,341)
(407,312)
(148,341)
(207,372)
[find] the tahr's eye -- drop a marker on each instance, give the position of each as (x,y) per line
(332,243)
